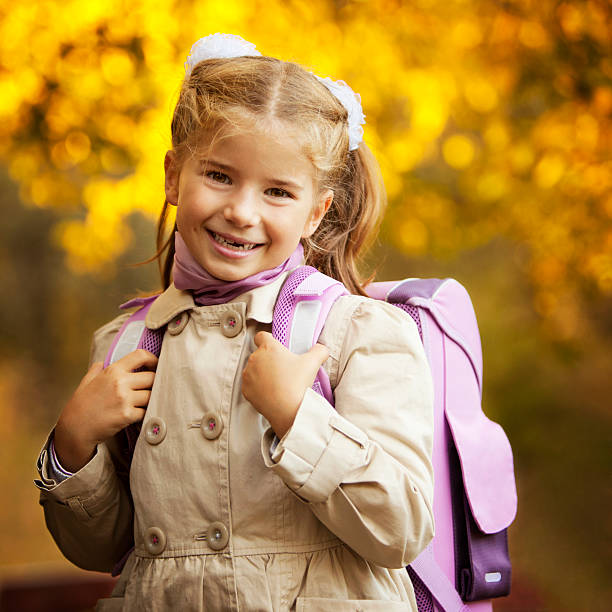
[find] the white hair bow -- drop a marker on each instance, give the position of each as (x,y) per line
(231,45)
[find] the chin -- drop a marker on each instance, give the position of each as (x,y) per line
(232,277)
(228,275)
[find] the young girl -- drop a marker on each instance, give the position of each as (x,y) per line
(248,490)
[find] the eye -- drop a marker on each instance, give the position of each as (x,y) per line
(277,192)
(218,177)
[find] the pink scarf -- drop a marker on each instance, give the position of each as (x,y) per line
(189,275)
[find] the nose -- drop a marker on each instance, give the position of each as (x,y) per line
(243,209)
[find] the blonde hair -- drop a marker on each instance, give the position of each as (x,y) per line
(231,93)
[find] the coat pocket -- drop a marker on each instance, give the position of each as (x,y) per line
(115,602)
(325,604)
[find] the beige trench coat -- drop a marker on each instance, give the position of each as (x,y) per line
(223,520)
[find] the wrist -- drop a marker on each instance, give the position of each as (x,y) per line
(281,422)
(71,452)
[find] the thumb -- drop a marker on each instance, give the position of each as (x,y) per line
(317,355)
(262,337)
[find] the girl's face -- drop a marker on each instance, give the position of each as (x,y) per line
(245,207)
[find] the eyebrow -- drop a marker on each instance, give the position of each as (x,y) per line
(217,164)
(276,181)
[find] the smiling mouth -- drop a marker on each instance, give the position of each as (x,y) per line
(230,244)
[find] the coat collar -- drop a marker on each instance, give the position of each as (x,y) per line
(259,303)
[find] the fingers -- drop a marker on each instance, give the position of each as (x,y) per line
(140,398)
(138,359)
(136,414)
(318,353)
(142,380)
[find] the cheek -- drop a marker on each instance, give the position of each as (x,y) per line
(194,205)
(285,228)
(188,219)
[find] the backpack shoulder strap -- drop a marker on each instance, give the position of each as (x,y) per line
(301,310)
(134,334)
(437,582)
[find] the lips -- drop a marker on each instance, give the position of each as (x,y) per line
(233,242)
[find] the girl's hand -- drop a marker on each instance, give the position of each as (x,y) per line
(106,401)
(275,379)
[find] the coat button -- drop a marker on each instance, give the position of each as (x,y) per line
(177,324)
(155,430)
(231,324)
(155,540)
(211,425)
(217,536)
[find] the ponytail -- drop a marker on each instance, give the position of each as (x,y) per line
(165,244)
(351,223)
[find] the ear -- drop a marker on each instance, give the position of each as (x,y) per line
(318,212)
(172,173)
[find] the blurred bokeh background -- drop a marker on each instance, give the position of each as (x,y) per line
(492,121)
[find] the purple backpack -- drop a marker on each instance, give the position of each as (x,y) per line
(475,499)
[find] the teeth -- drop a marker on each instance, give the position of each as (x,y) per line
(233,245)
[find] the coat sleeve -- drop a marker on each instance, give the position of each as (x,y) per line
(364,466)
(90,513)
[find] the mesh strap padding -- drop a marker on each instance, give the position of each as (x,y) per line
(151,340)
(413,311)
(422,594)
(285,303)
